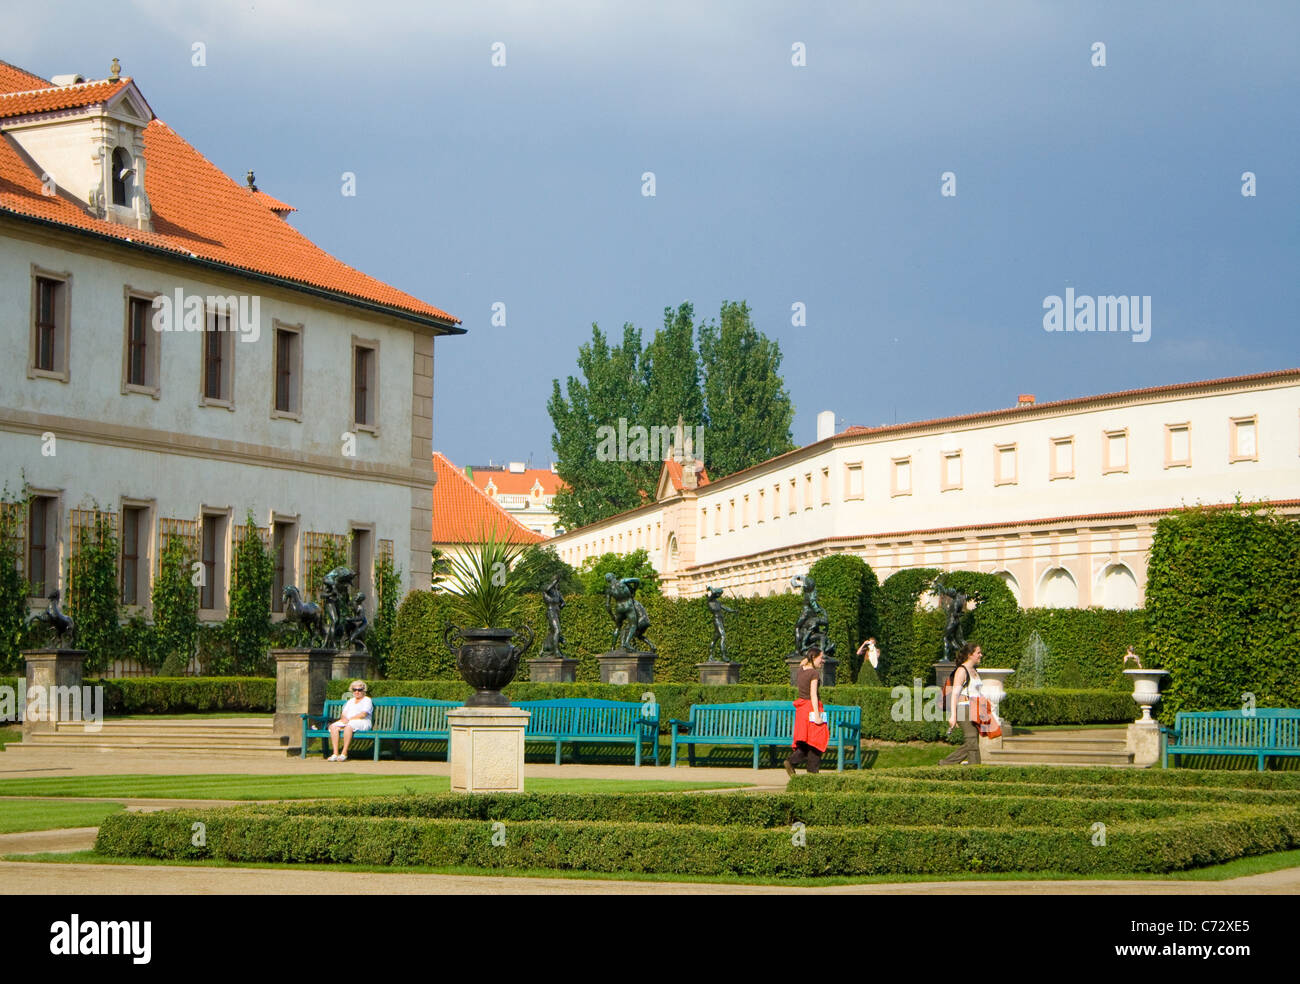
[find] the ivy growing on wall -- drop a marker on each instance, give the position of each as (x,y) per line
(248,626)
(92,597)
(175,600)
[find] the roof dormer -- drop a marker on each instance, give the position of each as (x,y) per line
(85,140)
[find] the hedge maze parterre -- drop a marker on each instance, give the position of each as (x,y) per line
(928,821)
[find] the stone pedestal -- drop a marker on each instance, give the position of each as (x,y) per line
(828,670)
(552,669)
(487,749)
(301,676)
(350,666)
(623,667)
(47,669)
(715,673)
(942,671)
(995,689)
(1143,741)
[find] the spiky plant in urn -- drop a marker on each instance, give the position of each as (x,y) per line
(487,597)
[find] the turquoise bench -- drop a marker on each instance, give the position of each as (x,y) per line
(1268,731)
(575,720)
(394,719)
(763,722)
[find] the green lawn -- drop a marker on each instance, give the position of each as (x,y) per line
(21,815)
(1233,869)
(245,787)
(12,733)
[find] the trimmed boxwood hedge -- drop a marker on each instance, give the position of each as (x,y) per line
(186,695)
(987,828)
(1058,777)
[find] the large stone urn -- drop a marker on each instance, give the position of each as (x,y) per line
(487,660)
(1143,738)
(1146,690)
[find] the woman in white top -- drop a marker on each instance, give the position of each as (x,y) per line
(965,685)
(355,717)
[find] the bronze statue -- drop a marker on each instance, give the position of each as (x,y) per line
(356,625)
(713,598)
(554,600)
(630,618)
(336,604)
(305,614)
(812,631)
(956,602)
(55,619)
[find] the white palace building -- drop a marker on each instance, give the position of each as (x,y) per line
(1059,499)
(177,355)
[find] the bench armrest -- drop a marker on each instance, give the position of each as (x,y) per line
(314,717)
(680,725)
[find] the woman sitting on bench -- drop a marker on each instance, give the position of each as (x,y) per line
(355,717)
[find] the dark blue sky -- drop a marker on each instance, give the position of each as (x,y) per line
(775,184)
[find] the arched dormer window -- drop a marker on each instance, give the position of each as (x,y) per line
(121,178)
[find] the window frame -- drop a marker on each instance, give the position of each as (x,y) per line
(852,468)
(152,345)
(1052,444)
(944,458)
(226,375)
(1170,430)
(895,489)
(144,558)
(61,335)
(52,528)
(220,569)
(372,387)
(295,370)
(283,571)
(1234,429)
(999,478)
(1109,467)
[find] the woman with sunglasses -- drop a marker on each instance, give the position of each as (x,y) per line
(355,717)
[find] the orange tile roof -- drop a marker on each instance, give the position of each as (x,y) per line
(462,513)
(274,204)
(675,474)
(518,483)
(14,79)
(47,98)
(198,211)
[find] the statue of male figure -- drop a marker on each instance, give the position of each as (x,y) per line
(630,618)
(336,604)
(956,602)
(713,598)
(554,601)
(812,628)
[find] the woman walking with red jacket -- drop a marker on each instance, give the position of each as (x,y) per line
(811,733)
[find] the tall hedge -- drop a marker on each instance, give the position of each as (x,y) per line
(1223,609)
(1084,647)
(849,591)
(995,624)
(899,660)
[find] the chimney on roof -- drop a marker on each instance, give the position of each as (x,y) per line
(75,78)
(825,424)
(1026,400)
(114,71)
(516,468)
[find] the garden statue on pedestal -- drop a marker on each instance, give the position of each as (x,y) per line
(713,598)
(554,600)
(337,605)
(629,615)
(956,603)
(305,614)
(53,617)
(812,629)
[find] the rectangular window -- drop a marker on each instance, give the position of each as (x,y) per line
(49,344)
(42,545)
(212,592)
(853,487)
(807,490)
(284,544)
(900,482)
(704,522)
(1178,445)
(135,534)
(762,504)
(1062,451)
(1115,444)
(744,511)
(1243,439)
(363,562)
(951,465)
(140,347)
(218,360)
(365,386)
(794,505)
(776,501)
(826,486)
(731,516)
(1005,465)
(288,373)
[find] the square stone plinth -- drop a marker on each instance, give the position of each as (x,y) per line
(548,669)
(487,749)
(350,666)
(621,667)
(301,676)
(828,670)
(1144,742)
(716,673)
(47,669)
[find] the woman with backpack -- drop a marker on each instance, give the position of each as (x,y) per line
(962,686)
(811,732)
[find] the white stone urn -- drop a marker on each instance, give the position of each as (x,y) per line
(1146,690)
(994,687)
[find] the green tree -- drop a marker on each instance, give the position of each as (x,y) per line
(248,627)
(613,387)
(539,565)
(93,600)
(749,410)
(175,599)
(672,372)
(634,564)
(388,586)
(13,588)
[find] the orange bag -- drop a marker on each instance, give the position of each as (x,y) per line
(981,713)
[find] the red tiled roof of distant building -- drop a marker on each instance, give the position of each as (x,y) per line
(462,513)
(51,98)
(274,204)
(675,474)
(518,483)
(197,210)
(14,79)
